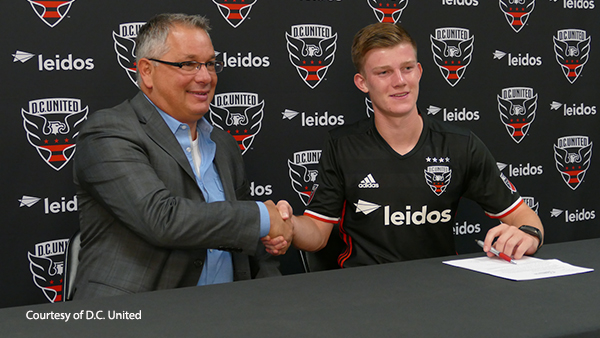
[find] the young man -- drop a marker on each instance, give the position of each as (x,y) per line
(161,193)
(393,182)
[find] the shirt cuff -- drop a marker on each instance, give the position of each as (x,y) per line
(265,220)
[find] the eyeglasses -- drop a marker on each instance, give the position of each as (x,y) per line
(194,66)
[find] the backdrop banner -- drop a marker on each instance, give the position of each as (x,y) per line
(522,74)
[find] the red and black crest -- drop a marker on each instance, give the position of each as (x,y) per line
(388,10)
(234,11)
(517,12)
(51,12)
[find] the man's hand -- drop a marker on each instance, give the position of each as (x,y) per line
(511,241)
(280,236)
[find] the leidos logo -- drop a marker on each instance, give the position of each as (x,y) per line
(52,125)
(460,2)
(312,50)
(303,173)
(573,155)
(50,207)
(574,110)
(410,217)
(124,44)
(244,61)
(517,12)
(388,10)
(577,216)
(316,120)
(452,51)
(519,60)
(517,106)
(47,267)
(572,48)
(58,63)
(234,12)
(456,115)
(239,114)
(51,12)
(579,4)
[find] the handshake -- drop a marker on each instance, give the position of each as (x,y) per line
(281,233)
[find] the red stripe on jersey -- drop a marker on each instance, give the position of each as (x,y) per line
(507,212)
(347,239)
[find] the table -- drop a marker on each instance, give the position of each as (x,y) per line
(423,298)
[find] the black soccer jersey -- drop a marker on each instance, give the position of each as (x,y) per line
(395,207)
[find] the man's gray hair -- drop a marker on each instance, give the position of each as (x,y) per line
(151,41)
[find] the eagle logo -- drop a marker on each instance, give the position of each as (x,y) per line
(388,10)
(303,173)
(517,116)
(572,50)
(573,155)
(517,12)
(242,121)
(53,134)
(452,54)
(51,12)
(438,178)
(124,45)
(311,53)
(234,12)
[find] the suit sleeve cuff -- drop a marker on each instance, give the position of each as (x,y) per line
(265,221)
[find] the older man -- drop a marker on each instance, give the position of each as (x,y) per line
(161,193)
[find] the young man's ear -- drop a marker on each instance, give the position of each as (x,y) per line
(360,83)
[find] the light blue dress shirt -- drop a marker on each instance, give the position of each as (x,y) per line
(218,266)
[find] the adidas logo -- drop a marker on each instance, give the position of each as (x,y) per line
(368,182)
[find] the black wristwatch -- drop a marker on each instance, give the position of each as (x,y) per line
(533,231)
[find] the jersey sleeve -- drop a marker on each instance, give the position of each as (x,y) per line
(327,200)
(486,185)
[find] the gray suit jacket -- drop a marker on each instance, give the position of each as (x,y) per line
(144,222)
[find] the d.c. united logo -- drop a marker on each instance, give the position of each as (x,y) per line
(312,51)
(388,10)
(51,12)
(235,12)
(47,266)
(572,48)
(452,50)
(517,12)
(573,155)
(517,106)
(239,114)
(438,177)
(303,173)
(52,126)
(124,43)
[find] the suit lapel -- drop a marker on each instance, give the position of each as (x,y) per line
(159,132)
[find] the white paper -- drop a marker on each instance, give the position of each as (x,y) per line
(526,268)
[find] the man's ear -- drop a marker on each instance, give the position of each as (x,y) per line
(145,69)
(360,82)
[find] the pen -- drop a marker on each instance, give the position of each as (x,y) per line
(496,252)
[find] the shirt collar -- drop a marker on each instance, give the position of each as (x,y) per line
(203,126)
